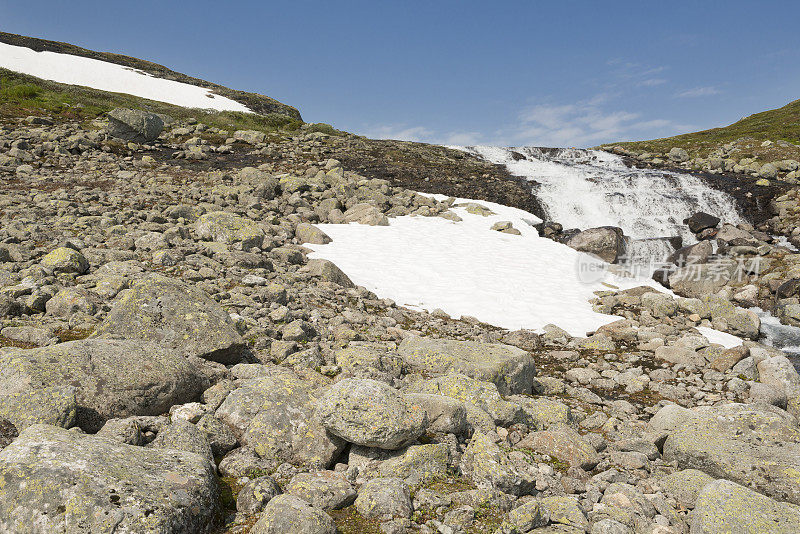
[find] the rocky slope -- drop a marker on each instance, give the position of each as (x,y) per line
(173,362)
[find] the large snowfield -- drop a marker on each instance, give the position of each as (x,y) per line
(465,268)
(76,70)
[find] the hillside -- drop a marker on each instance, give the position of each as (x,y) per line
(257,103)
(764,145)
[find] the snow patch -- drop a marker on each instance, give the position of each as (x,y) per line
(465,268)
(76,70)
(720,338)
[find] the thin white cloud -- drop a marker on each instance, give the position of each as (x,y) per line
(696,92)
(402,132)
(462,138)
(651,82)
(583,124)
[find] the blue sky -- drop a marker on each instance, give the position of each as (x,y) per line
(511,73)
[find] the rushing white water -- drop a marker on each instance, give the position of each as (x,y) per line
(589,188)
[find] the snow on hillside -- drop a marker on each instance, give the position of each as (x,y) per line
(76,70)
(464,268)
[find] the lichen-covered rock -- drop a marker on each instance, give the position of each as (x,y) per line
(542,412)
(227,228)
(445,415)
(328,271)
(152,381)
(176,316)
(274,415)
(52,405)
(65,260)
(370,413)
(725,507)
(684,486)
(565,444)
(490,468)
(481,396)
(511,369)
(184,436)
(384,499)
(71,300)
(750,444)
(256,494)
(366,214)
(287,514)
(134,125)
(55,480)
(308,233)
(565,511)
(418,464)
(523,519)
(327,490)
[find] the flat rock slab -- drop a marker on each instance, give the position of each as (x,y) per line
(176,316)
(112,378)
(511,369)
(55,480)
(753,445)
(724,507)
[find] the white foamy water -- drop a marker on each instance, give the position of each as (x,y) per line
(589,188)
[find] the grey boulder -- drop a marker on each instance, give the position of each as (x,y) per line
(287,514)
(134,125)
(55,480)
(176,316)
(153,379)
(370,413)
(511,369)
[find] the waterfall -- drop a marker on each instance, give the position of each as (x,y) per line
(589,188)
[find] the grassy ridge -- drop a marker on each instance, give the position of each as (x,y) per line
(22,95)
(776,124)
(260,104)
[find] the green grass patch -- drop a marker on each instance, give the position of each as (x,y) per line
(775,124)
(22,96)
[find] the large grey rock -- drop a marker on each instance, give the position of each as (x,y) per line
(678,155)
(177,316)
(113,378)
(478,396)
(328,271)
(724,507)
(52,405)
(563,443)
(65,260)
(684,486)
(184,436)
(134,125)
(490,468)
(308,233)
(384,499)
(228,228)
(754,445)
(370,413)
(607,242)
(327,490)
(287,514)
(55,480)
(445,414)
(274,415)
(511,369)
